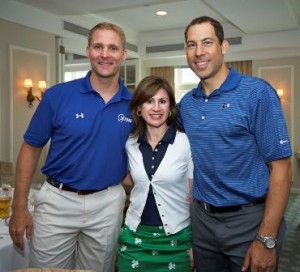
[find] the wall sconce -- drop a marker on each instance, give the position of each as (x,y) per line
(30,97)
(280,93)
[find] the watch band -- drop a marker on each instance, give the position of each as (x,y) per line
(269,242)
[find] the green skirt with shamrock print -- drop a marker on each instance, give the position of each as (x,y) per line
(150,249)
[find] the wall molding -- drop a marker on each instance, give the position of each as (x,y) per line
(18,83)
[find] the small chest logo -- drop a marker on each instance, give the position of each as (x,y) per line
(225,106)
(79,115)
(122,118)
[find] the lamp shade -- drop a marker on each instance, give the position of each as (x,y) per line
(28,82)
(42,84)
(280,92)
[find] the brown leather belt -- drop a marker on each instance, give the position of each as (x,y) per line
(213,209)
(61,186)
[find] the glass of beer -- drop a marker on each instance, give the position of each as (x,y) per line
(5,200)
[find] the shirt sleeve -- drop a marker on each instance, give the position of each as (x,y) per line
(269,126)
(40,127)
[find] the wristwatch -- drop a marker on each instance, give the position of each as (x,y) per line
(269,242)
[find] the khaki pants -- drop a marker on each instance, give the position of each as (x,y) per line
(76,231)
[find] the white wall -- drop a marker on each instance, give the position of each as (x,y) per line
(284,72)
(24,53)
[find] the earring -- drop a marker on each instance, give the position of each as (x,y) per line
(170,113)
(139,113)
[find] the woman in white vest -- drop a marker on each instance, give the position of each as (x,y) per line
(157,232)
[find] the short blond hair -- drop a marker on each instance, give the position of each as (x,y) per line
(108,26)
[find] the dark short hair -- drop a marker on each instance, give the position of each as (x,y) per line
(205,19)
(108,26)
(146,89)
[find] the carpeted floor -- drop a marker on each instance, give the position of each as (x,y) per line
(290,258)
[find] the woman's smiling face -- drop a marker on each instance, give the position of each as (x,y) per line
(155,111)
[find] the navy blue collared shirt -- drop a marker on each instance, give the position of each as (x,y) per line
(152,160)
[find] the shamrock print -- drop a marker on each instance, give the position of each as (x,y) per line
(154,253)
(173,243)
(138,241)
(172,266)
(135,264)
(123,248)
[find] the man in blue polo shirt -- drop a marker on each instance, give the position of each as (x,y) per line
(78,211)
(241,152)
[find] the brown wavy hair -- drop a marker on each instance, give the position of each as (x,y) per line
(146,89)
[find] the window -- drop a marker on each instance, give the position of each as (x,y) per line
(185,80)
(74,75)
(129,72)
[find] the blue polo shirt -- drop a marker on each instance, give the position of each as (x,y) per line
(234,132)
(87,136)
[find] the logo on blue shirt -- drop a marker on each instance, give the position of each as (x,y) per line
(79,115)
(123,118)
(225,106)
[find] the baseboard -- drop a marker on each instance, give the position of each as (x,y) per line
(295,190)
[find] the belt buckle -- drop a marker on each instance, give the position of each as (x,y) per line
(206,207)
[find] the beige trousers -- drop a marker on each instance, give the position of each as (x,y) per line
(76,231)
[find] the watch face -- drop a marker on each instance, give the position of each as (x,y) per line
(270,243)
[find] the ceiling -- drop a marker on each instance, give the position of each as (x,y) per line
(247,16)
(256,29)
